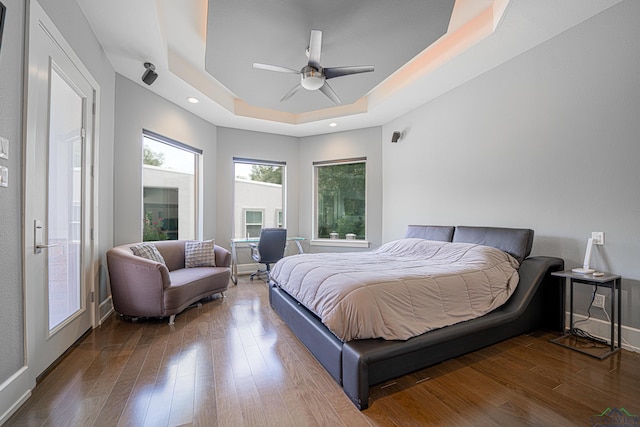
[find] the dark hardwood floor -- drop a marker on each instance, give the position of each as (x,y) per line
(233,362)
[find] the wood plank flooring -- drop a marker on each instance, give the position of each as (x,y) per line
(233,362)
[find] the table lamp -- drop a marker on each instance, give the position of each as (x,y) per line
(585,269)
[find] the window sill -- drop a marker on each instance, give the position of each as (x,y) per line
(340,242)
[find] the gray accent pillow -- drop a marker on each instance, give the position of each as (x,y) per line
(148,251)
(199,254)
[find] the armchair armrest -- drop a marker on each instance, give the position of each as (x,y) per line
(134,280)
(223,256)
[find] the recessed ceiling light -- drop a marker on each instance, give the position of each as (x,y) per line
(333,124)
(193,100)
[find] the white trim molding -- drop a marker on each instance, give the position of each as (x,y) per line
(344,243)
(105,309)
(14,392)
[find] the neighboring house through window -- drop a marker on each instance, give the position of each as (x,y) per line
(170,188)
(258,196)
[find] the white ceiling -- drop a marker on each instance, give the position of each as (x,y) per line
(482,34)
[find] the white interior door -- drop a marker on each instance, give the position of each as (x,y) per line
(58,185)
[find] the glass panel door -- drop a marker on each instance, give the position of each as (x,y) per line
(64,230)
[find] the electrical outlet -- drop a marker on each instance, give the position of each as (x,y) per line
(598,301)
(598,237)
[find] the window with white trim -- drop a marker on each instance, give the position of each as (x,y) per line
(170,188)
(258,196)
(253,222)
(340,199)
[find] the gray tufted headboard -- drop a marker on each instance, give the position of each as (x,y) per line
(441,233)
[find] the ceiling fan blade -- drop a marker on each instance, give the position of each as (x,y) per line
(332,72)
(315,48)
(291,92)
(328,91)
(276,68)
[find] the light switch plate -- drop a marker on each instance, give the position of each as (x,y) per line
(4,176)
(4,148)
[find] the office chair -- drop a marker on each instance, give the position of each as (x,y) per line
(269,250)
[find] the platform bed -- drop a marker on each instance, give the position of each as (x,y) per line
(358,364)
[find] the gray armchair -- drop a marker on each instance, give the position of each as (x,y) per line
(269,249)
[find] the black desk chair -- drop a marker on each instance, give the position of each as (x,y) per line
(269,250)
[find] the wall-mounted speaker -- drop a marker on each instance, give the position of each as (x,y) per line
(150,74)
(396,136)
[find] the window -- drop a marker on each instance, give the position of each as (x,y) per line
(253,223)
(340,199)
(170,189)
(258,196)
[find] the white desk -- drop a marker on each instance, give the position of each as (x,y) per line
(234,256)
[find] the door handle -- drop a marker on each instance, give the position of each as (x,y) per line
(46,246)
(37,238)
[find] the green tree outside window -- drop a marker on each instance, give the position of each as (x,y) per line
(341,200)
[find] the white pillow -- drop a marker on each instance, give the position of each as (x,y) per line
(199,254)
(148,251)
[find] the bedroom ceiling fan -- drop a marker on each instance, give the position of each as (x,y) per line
(312,75)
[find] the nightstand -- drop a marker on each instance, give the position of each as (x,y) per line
(608,280)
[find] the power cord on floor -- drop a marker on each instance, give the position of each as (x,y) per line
(581,332)
(584,334)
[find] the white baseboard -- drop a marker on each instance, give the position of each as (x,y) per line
(602,329)
(13,393)
(248,268)
(105,309)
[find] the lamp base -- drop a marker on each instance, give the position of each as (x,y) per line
(583,270)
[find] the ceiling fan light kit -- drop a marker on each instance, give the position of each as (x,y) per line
(311,79)
(312,75)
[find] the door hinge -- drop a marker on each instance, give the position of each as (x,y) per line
(91,171)
(83,133)
(92,296)
(93,108)
(91,234)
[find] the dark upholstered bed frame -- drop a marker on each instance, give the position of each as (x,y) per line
(358,364)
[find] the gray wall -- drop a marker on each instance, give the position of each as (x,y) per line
(11,293)
(549,140)
(260,146)
(299,153)
(136,109)
(343,145)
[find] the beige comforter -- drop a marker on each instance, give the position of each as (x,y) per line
(400,290)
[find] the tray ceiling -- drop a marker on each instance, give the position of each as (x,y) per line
(385,34)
